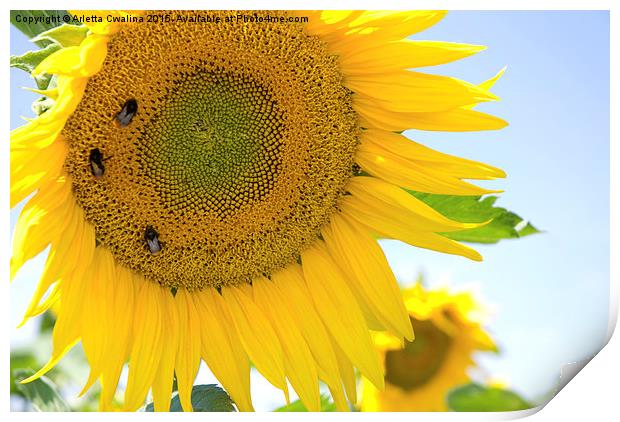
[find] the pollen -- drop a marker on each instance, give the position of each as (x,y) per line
(242,141)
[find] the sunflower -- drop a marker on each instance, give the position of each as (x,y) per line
(215,191)
(419,373)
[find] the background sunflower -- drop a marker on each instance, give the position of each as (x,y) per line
(420,374)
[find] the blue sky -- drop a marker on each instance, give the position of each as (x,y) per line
(549,292)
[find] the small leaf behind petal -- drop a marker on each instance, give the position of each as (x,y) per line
(475,209)
(41,393)
(205,398)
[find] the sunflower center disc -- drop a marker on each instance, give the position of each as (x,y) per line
(217,144)
(242,142)
(420,359)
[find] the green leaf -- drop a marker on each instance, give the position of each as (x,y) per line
(48,319)
(297,406)
(21,360)
(205,398)
(34,22)
(477,398)
(30,60)
(42,394)
(475,209)
(65,35)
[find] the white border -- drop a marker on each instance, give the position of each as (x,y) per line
(591,394)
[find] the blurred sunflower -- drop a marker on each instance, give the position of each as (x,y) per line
(419,373)
(214,192)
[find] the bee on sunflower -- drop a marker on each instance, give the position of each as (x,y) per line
(215,192)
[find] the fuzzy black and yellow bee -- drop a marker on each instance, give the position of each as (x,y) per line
(96,159)
(151,237)
(127,113)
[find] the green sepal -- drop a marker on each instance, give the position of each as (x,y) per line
(31,30)
(41,105)
(65,35)
(31,59)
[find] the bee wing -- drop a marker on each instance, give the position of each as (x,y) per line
(124,117)
(127,112)
(154,245)
(96,169)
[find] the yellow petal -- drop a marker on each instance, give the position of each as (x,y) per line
(373,115)
(397,144)
(77,62)
(407,91)
(298,361)
(347,373)
(402,162)
(68,323)
(384,201)
(326,20)
(162,384)
(30,139)
(104,27)
(488,84)
(30,171)
(97,312)
(84,248)
(291,283)
(188,355)
(339,311)
(49,301)
(56,265)
(331,25)
(41,222)
(147,345)
(379,27)
(222,349)
(257,335)
(50,93)
(400,229)
(45,129)
(404,55)
(398,24)
(122,289)
(417,176)
(361,258)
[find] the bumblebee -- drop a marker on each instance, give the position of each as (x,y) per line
(95,158)
(151,237)
(129,110)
